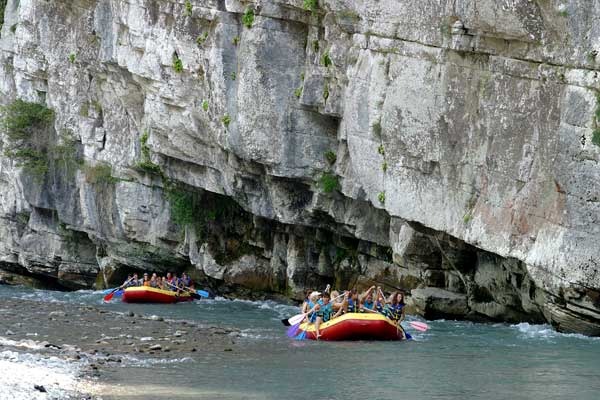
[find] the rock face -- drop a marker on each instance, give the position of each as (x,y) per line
(443,146)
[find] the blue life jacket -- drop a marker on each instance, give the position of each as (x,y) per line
(325,312)
(313,316)
(396,311)
(352,306)
(368,304)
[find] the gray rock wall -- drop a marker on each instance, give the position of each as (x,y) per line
(457,137)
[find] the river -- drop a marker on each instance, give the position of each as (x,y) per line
(452,360)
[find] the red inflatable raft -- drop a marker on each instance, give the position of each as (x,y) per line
(145,294)
(356,326)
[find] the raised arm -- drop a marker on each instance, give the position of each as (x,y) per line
(368,292)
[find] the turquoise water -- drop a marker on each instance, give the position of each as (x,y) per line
(453,360)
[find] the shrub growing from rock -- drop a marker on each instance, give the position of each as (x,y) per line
(329,182)
(248,18)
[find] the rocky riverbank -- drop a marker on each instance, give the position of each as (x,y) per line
(86,340)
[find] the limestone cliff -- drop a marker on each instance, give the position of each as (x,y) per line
(446,147)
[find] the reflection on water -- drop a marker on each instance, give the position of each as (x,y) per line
(453,360)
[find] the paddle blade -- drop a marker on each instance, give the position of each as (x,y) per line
(285,322)
(420,326)
(301,336)
(203,293)
(109,296)
(293,330)
(296,319)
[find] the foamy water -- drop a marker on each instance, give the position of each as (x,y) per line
(22,372)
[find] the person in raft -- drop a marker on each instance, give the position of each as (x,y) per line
(314,303)
(325,312)
(396,307)
(154,281)
(367,299)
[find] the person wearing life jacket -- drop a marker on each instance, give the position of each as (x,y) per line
(380,305)
(185,280)
(325,313)
(337,301)
(146,280)
(396,307)
(367,299)
(314,303)
(128,281)
(154,281)
(135,281)
(163,284)
(353,302)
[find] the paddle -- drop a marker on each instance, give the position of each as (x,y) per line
(420,326)
(109,296)
(199,293)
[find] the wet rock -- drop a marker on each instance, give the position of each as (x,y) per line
(439,303)
(156,347)
(57,314)
(9,333)
(40,388)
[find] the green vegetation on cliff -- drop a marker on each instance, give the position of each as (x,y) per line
(146,163)
(248,18)
(596,133)
(329,182)
(27,127)
(2,7)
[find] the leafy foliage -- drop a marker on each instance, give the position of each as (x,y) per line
(2,7)
(248,18)
(188,8)
(205,105)
(226,120)
(22,118)
(177,64)
(202,38)
(27,127)
(99,174)
(381,197)
(329,182)
(146,163)
(326,60)
(310,5)
(330,156)
(596,133)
